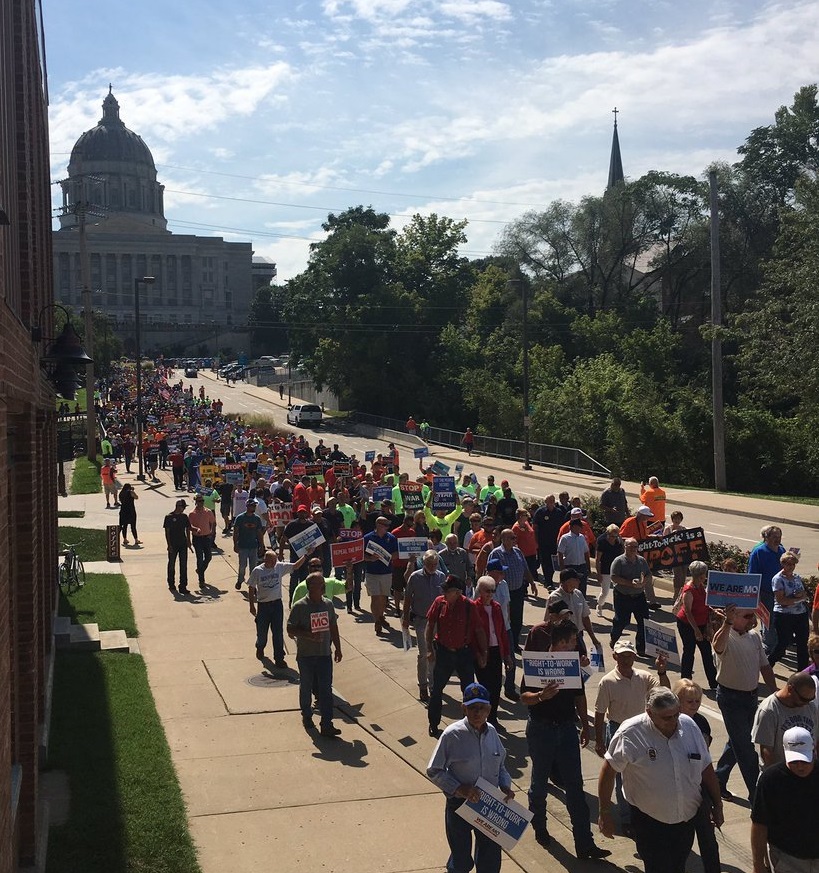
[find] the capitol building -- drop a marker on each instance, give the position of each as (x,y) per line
(203,285)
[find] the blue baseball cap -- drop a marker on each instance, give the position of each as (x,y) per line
(476,693)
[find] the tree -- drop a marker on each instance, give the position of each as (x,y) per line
(268,332)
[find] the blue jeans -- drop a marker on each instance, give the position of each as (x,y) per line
(270,616)
(459,835)
(623,807)
(509,679)
(248,558)
(738,709)
(624,608)
(550,743)
(447,663)
(706,838)
(516,601)
(316,670)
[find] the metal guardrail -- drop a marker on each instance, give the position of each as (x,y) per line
(560,457)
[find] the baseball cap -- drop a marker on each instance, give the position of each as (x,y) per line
(798,745)
(302,508)
(476,693)
(317,508)
(181,502)
(577,511)
(644,510)
(496,565)
(252,502)
(626,646)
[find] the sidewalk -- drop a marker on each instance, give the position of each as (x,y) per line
(257,786)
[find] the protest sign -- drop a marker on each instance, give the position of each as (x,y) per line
(319,622)
(347,533)
(343,469)
(406,638)
(409,546)
(265,471)
(439,468)
(674,549)
(347,550)
(661,638)
(423,452)
(220,462)
(298,469)
(597,663)
(208,471)
(443,493)
(310,536)
(280,514)
(249,456)
(504,822)
(369,456)
(234,474)
(541,668)
(411,496)
(459,468)
(381,493)
(379,551)
(733,589)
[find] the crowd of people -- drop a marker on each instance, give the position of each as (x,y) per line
(459,589)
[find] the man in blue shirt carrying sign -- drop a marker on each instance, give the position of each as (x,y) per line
(467,750)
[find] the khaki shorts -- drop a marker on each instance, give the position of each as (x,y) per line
(378,585)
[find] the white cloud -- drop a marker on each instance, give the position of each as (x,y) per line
(469,11)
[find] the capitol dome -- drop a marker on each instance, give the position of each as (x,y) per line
(112,174)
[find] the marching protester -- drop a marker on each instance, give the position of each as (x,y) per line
(127,513)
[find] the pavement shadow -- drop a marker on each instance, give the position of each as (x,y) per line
(211,590)
(338,750)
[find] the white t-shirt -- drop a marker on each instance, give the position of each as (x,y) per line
(267,581)
(240,501)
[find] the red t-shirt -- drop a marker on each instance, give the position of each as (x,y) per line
(527,542)
(454,624)
(402,533)
(698,608)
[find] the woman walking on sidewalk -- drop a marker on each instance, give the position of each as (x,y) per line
(127,513)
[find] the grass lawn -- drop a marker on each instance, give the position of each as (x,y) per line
(86,476)
(104,600)
(71,513)
(91,544)
(810,501)
(72,404)
(126,813)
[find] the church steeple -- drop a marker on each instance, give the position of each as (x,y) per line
(616,162)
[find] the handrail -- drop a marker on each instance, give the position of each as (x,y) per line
(542,454)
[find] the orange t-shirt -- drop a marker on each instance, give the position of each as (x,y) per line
(654,499)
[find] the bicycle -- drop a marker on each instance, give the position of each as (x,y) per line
(71,571)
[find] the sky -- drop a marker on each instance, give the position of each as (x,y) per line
(266,115)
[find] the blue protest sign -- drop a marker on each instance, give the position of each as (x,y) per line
(439,468)
(541,668)
(381,493)
(459,468)
(502,821)
(369,457)
(410,546)
(423,452)
(265,470)
(733,589)
(310,536)
(661,638)
(443,493)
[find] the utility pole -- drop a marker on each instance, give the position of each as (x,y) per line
(85,270)
(720,482)
(527,420)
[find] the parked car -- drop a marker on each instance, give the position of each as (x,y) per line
(190,370)
(304,414)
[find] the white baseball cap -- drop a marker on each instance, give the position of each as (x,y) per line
(798,745)
(644,510)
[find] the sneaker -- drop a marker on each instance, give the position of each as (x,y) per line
(281,664)
(599,611)
(329,730)
(593,853)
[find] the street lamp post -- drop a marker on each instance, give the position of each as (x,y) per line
(145,280)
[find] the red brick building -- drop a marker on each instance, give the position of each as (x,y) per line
(28,489)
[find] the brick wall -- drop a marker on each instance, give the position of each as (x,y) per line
(27,428)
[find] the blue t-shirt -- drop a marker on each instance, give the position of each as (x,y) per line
(390,543)
(765,561)
(247,526)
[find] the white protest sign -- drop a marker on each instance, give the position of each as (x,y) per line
(372,548)
(409,546)
(541,668)
(319,622)
(310,536)
(661,638)
(502,821)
